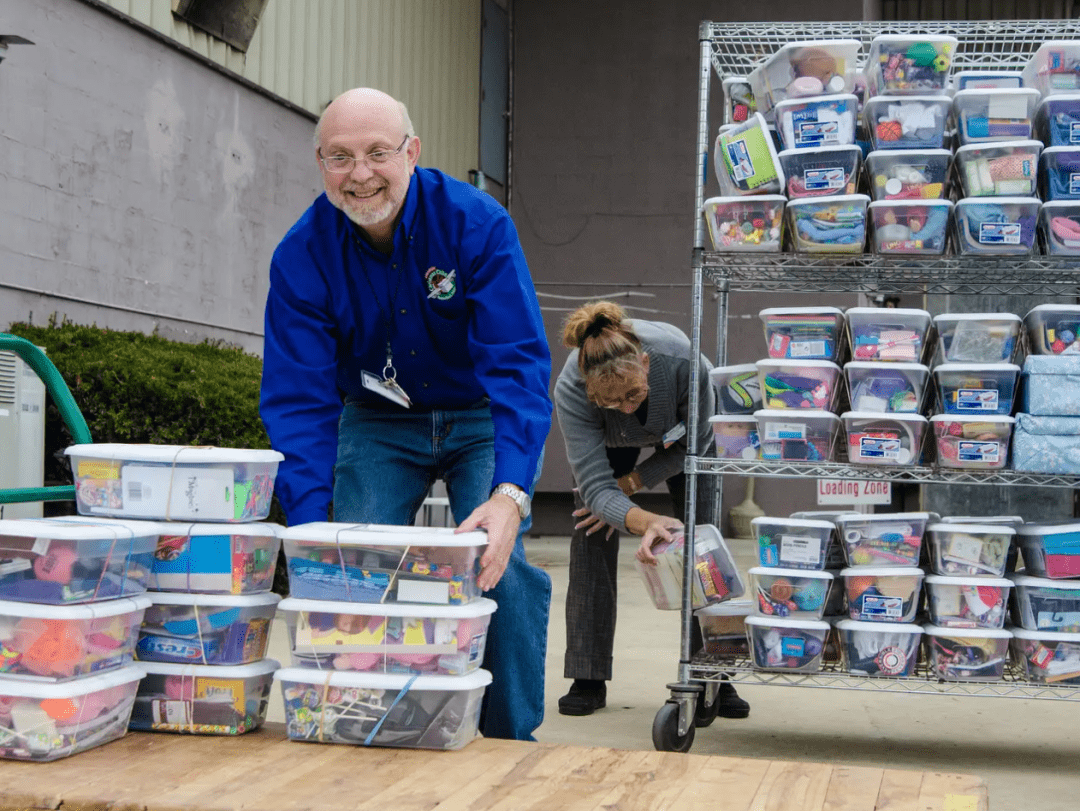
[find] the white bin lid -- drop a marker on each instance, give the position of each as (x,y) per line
(480,607)
(884,416)
(1034,531)
(967,633)
(880,627)
(173,454)
(880,518)
(1027,581)
(768,571)
(230,600)
(382,681)
(256,529)
(946,317)
(381,535)
(974,368)
(888,314)
(775,363)
(137,528)
(981,418)
(762,314)
(886,366)
(1047,636)
(718,418)
(928,203)
(799,523)
(991,582)
(1014,520)
(799,101)
(798,415)
(731,608)
(756,199)
(784,622)
(84,685)
(262,667)
(972,150)
(817,150)
(882,571)
(67,530)
(832,199)
(83,611)
(973,529)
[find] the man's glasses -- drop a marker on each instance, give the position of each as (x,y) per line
(342,164)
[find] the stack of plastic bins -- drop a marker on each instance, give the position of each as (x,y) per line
(71,601)
(388,631)
(204,636)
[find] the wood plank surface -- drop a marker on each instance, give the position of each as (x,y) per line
(264,771)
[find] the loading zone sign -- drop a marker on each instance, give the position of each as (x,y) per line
(845,491)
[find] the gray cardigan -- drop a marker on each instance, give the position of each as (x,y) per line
(589,429)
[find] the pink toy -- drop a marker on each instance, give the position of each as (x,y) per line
(57,564)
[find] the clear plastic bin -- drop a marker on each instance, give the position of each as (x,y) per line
(787,644)
(746,223)
(966,654)
(1059,222)
(886,334)
(375,563)
(803,333)
(906,122)
(967,602)
(797,435)
(382,709)
(831,224)
(970,550)
(828,170)
(745,159)
(203,699)
(882,539)
(794,593)
(1057,120)
(984,79)
(996,226)
(717,578)
(737,387)
(915,227)
(882,593)
(1054,68)
(1007,169)
(972,443)
(974,389)
(723,628)
(800,69)
(899,64)
(1046,657)
(1014,521)
(879,648)
(1051,550)
(887,388)
(206,629)
(447,640)
(817,121)
(1042,604)
(908,174)
(994,114)
(792,543)
(1059,173)
(874,438)
(977,337)
(214,559)
(736,436)
(739,103)
(1052,329)
(798,383)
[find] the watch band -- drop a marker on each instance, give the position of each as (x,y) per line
(520,497)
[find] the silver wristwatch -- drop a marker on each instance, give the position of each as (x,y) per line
(520,497)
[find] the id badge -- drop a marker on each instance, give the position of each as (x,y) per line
(678,432)
(385,388)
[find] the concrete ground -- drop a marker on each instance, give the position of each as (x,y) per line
(1026,750)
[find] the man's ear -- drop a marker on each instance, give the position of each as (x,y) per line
(413,152)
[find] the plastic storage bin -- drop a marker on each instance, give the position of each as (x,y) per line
(976,388)
(1051,550)
(884,334)
(797,435)
(888,388)
(723,628)
(917,227)
(1007,169)
(382,709)
(827,170)
(739,101)
(745,159)
(831,224)
(1057,120)
(47,721)
(170,482)
(882,593)
(735,436)
(967,602)
(803,333)
(972,443)
(207,629)
(59,642)
(1052,329)
(62,562)
(882,539)
(745,223)
(879,648)
(794,593)
(1042,604)
(996,226)
(1059,173)
(1046,657)
(1054,68)
(374,563)
(970,550)
(816,121)
(717,577)
(213,559)
(203,699)
(908,174)
(966,654)
(798,383)
(899,64)
(792,543)
(802,69)
(874,438)
(977,337)
(737,387)
(906,122)
(994,114)
(969,79)
(1059,223)
(447,640)
(787,644)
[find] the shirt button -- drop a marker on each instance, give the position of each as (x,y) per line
(425,385)
(412,351)
(403,311)
(394,266)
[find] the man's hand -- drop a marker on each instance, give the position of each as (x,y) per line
(500,517)
(658,530)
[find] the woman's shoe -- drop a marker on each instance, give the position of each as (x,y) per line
(585,697)
(729,703)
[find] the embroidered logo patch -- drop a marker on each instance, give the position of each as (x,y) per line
(440,283)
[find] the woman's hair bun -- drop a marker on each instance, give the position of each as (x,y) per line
(589,320)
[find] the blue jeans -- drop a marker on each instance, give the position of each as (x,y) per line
(386,463)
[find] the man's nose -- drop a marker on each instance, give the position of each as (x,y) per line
(360,170)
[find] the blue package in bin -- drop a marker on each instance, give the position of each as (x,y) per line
(1057,120)
(1059,173)
(1052,385)
(1046,444)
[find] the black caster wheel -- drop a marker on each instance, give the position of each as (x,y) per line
(705,713)
(665,730)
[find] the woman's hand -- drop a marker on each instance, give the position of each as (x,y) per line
(657,530)
(592,523)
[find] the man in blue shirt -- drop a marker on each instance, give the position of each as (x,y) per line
(404,344)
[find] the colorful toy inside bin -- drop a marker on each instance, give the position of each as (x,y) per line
(888,388)
(976,388)
(1046,657)
(1059,224)
(994,114)
(830,224)
(885,334)
(899,64)
(966,654)
(1051,550)
(447,640)
(827,170)
(906,122)
(735,436)
(739,101)
(999,169)
(1054,68)
(745,223)
(745,159)
(797,435)
(213,559)
(977,337)
(723,628)
(817,121)
(882,593)
(1042,604)
(996,226)
(796,333)
(972,443)
(792,543)
(967,602)
(1052,329)
(737,388)
(908,174)
(203,699)
(879,648)
(787,644)
(916,227)
(206,629)
(716,578)
(798,383)
(800,69)
(1057,120)
(374,563)
(882,539)
(874,438)
(67,561)
(382,709)
(795,593)
(173,483)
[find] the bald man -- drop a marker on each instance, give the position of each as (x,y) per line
(404,344)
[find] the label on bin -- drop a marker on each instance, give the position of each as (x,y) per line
(187,494)
(785,430)
(973,451)
(800,549)
(963,549)
(999,233)
(1074,132)
(808,349)
(1074,184)
(878,446)
(880,607)
(793,646)
(832,177)
(977,400)
(739,158)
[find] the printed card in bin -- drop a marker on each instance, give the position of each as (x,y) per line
(213,559)
(716,575)
(208,629)
(177,483)
(376,563)
(746,161)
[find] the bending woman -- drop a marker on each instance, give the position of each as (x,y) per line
(625,387)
